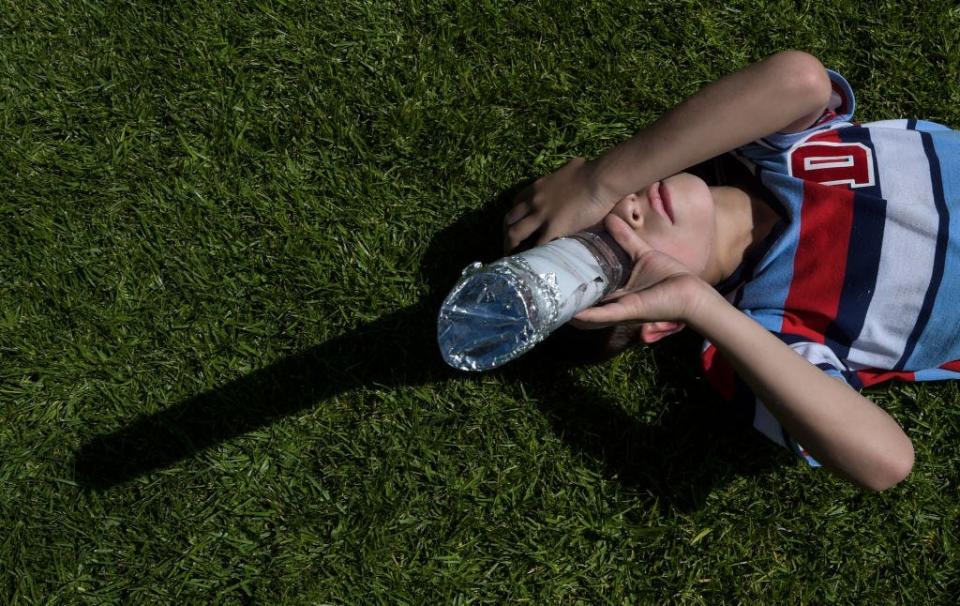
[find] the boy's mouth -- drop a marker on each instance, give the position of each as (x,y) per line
(660,200)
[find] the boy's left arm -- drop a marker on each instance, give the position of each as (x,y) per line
(844,431)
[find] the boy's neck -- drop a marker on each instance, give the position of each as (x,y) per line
(743,220)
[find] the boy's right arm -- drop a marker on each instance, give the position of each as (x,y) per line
(785,92)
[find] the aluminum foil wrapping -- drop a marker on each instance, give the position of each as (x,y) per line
(500,311)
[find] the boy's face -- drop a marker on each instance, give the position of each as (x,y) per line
(676,216)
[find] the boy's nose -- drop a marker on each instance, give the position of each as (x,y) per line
(628,209)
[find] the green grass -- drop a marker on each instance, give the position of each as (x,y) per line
(225,230)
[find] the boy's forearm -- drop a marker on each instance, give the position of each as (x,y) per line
(761,99)
(839,427)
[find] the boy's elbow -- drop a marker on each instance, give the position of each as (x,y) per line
(805,75)
(892,471)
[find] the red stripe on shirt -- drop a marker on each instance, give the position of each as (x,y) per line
(844,107)
(719,373)
(826,219)
(872,376)
(955,365)
(828,115)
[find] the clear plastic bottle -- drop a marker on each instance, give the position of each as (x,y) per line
(499,311)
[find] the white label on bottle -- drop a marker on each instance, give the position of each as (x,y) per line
(576,276)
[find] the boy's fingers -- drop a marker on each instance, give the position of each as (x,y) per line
(603,315)
(549,235)
(626,237)
(521,230)
(521,210)
(582,325)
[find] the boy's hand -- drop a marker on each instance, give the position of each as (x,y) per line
(660,287)
(559,204)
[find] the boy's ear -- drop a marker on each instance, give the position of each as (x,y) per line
(651,332)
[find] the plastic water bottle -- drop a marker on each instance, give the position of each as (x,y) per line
(499,311)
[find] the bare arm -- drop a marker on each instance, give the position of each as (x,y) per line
(843,430)
(784,92)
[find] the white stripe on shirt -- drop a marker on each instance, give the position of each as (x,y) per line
(907,252)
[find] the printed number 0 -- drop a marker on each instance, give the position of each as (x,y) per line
(833,163)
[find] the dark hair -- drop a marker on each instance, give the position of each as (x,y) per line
(573,346)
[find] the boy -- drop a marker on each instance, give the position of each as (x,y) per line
(833,266)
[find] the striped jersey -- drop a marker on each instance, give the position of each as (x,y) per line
(861,275)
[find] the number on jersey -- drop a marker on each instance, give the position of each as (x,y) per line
(831,163)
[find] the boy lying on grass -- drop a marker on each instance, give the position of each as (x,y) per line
(832,264)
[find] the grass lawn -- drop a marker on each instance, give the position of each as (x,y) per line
(226,228)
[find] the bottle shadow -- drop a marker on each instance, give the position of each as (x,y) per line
(677,460)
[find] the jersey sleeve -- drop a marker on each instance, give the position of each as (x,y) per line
(839,112)
(736,392)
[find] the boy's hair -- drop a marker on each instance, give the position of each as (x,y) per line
(572,346)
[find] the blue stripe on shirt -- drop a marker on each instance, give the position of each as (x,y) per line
(770,283)
(939,261)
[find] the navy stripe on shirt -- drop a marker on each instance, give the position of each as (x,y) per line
(853,379)
(863,255)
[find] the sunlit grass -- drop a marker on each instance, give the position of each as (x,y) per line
(225,228)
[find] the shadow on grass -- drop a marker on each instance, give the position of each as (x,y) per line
(674,460)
